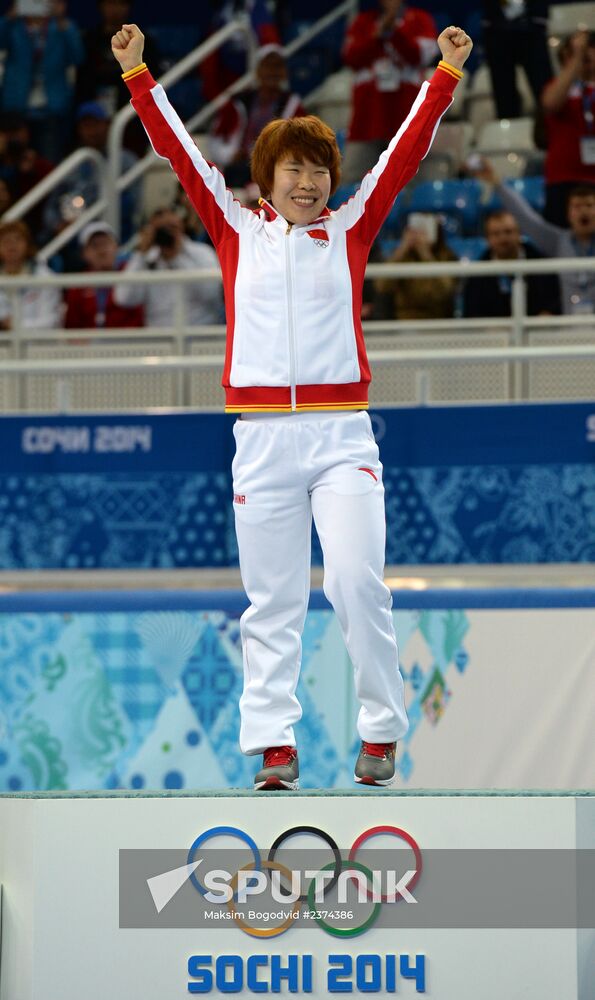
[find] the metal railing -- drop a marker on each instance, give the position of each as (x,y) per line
(517,353)
(112,181)
(49,184)
(118,183)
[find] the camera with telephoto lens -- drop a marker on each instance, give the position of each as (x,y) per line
(164,238)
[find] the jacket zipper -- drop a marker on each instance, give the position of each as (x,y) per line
(290,325)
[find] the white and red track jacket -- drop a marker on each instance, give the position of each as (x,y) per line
(293,294)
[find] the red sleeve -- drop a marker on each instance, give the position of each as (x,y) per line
(365,212)
(73,319)
(204,184)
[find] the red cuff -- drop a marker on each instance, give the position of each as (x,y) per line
(446,77)
(140,84)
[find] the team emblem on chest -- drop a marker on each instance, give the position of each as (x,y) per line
(320,237)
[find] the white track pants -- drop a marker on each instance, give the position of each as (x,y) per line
(286,469)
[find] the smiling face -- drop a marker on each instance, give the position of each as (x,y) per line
(301,189)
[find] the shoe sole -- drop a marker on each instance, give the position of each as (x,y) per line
(274,784)
(367,779)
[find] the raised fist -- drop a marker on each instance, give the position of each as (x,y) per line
(127,45)
(455,46)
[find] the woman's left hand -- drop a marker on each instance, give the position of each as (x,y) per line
(455,46)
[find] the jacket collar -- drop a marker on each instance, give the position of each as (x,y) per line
(271,214)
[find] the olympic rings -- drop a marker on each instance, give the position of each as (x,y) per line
(220,831)
(309,896)
(268,931)
(396,832)
(317,832)
(343,932)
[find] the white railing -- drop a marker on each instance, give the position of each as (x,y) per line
(112,181)
(178,338)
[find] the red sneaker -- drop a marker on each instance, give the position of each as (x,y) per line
(280,770)
(375,764)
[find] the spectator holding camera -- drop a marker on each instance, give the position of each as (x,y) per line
(163,246)
(420,298)
(568,103)
(388,48)
(577,240)
(38,308)
(42,48)
(491,295)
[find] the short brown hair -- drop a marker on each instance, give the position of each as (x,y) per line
(496,215)
(305,137)
(21,229)
(581,191)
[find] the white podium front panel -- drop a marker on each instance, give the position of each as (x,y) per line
(61,939)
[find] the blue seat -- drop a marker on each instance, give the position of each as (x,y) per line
(467,247)
(343,193)
(531,188)
(457,198)
(388,246)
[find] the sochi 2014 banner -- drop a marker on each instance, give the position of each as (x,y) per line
(476,484)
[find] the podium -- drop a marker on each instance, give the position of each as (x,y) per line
(67,886)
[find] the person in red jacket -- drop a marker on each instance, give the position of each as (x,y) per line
(569,105)
(388,49)
(297,374)
(95,307)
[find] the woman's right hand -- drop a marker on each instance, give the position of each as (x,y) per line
(127,45)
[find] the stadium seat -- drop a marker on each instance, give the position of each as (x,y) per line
(453,197)
(160,185)
(435,167)
(453,139)
(479,102)
(509,165)
(331,101)
(343,193)
(531,188)
(506,135)
(564,19)
(467,247)
(388,246)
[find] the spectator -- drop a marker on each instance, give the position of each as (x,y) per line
(20,165)
(388,48)
(40,54)
(228,63)
(514,33)
(420,298)
(241,120)
(163,246)
(39,308)
(98,78)
(95,307)
(490,295)
(578,240)
(82,187)
(569,105)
